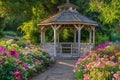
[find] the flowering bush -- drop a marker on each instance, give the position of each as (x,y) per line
(100,64)
(15,65)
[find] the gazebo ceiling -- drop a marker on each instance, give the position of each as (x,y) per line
(68,15)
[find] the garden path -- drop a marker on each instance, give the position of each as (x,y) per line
(62,70)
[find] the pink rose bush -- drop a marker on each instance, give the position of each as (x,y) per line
(103,63)
(15,65)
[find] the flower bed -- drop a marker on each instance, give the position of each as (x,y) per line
(100,64)
(16,65)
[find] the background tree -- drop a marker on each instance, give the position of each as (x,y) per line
(109,16)
(25,14)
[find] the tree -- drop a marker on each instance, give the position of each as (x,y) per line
(109,16)
(25,14)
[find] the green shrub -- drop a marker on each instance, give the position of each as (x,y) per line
(10,33)
(100,39)
(1,34)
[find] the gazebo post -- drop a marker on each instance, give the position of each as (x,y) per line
(43,29)
(79,27)
(55,28)
(74,35)
(57,36)
(44,37)
(93,35)
(90,36)
(41,39)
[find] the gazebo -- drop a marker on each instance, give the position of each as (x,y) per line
(68,17)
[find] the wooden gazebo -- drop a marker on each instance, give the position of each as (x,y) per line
(68,17)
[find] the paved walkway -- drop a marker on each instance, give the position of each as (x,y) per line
(62,70)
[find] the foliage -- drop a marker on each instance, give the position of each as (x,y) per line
(27,14)
(1,34)
(101,38)
(109,15)
(66,35)
(22,63)
(100,64)
(109,10)
(10,33)
(32,31)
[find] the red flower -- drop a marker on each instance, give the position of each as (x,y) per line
(20,63)
(13,53)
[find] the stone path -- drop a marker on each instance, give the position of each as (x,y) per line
(62,70)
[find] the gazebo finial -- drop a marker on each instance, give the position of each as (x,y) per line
(68,1)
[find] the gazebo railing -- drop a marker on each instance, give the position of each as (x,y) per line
(68,49)
(49,48)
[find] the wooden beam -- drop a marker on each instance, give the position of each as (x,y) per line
(78,26)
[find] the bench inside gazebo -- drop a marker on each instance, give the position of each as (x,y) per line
(68,18)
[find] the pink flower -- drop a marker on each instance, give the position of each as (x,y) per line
(103,46)
(39,61)
(86,77)
(26,66)
(78,62)
(89,66)
(18,74)
(102,59)
(113,79)
(117,76)
(110,63)
(13,53)
(2,49)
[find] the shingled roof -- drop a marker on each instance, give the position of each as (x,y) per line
(68,16)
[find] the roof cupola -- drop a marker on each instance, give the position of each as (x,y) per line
(67,6)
